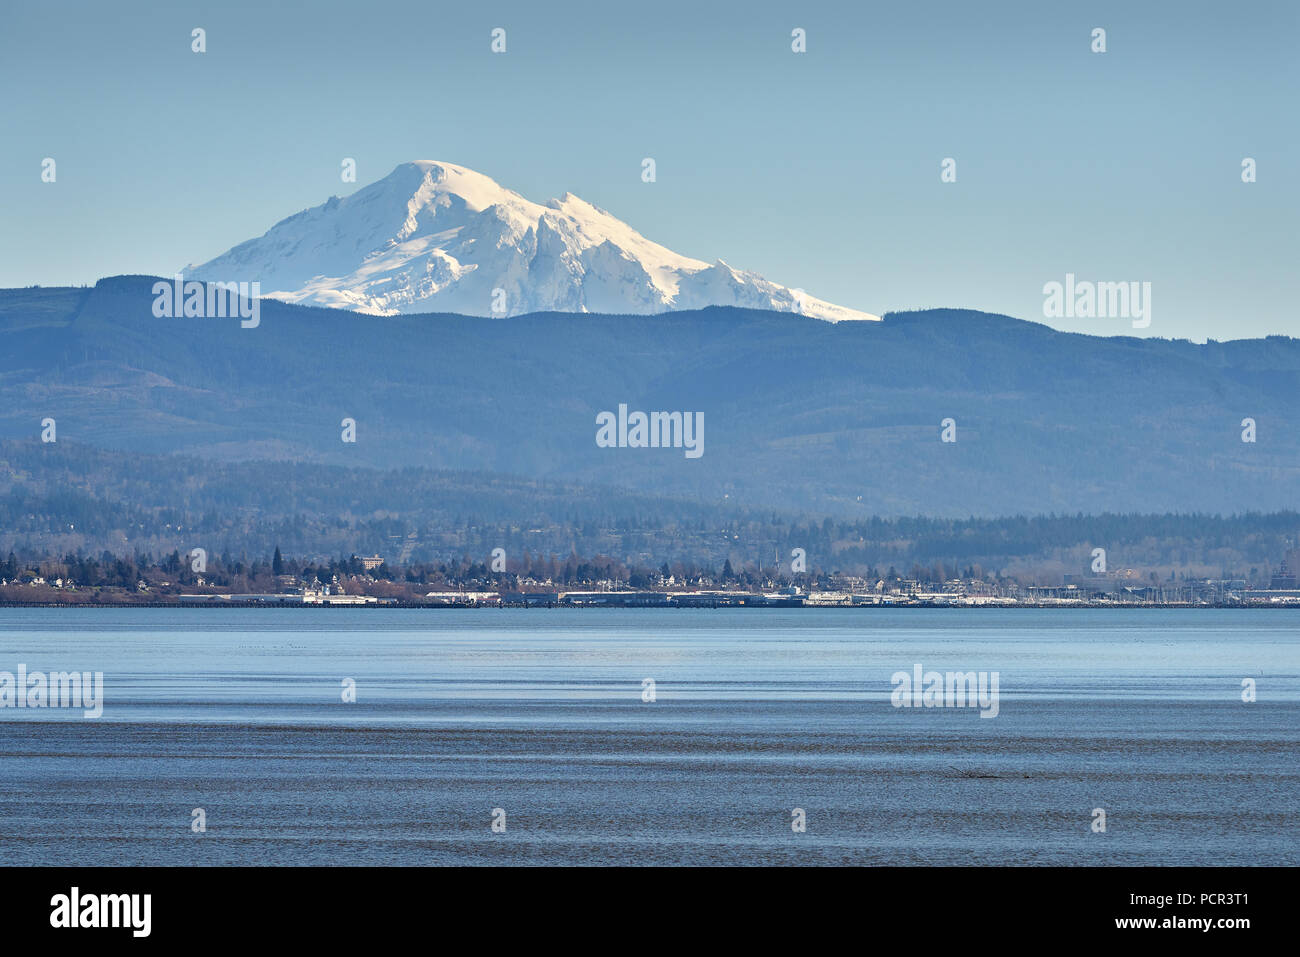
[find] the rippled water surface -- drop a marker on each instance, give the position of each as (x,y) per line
(540,713)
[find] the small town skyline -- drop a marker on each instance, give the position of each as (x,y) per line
(601,581)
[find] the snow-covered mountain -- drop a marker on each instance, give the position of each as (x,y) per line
(435,237)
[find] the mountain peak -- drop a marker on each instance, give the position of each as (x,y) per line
(439,236)
(478,190)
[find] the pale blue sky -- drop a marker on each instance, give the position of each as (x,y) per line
(818,170)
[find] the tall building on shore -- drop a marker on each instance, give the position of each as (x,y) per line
(1285,576)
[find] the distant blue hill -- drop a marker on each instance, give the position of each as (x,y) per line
(798,414)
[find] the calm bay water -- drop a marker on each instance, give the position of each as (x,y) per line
(757,712)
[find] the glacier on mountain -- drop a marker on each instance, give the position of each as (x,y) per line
(436,237)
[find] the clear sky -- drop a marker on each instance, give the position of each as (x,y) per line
(818,170)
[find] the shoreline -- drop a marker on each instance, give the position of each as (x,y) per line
(441,606)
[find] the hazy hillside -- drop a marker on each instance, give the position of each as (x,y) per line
(799,414)
(67,498)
